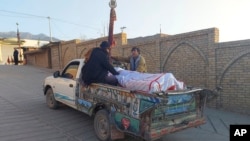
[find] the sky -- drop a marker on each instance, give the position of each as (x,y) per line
(89,19)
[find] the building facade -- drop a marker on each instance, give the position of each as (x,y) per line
(7,46)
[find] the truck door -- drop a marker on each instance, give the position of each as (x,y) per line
(65,87)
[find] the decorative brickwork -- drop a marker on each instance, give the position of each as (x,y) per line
(233,74)
(197,58)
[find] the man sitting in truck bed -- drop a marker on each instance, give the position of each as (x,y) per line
(96,68)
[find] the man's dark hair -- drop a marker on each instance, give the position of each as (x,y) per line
(136,48)
(104,45)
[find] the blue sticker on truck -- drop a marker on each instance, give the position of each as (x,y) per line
(63,97)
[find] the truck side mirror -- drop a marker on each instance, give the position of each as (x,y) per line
(56,74)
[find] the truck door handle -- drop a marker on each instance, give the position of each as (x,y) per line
(70,85)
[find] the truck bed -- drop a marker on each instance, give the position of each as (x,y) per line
(149,116)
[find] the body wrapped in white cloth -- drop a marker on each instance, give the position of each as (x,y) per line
(148,82)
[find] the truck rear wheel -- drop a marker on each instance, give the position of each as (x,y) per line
(50,99)
(102,125)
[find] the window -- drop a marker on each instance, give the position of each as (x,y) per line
(71,70)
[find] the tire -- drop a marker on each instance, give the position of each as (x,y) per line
(102,125)
(50,99)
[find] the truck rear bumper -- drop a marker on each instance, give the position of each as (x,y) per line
(158,133)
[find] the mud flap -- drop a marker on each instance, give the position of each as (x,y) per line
(116,134)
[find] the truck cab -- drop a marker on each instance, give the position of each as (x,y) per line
(64,83)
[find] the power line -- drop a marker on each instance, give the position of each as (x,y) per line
(23,14)
(58,29)
(74,23)
(51,20)
(46,17)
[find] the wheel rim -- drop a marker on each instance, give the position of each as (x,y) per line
(102,127)
(50,99)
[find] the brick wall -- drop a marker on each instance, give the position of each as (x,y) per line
(55,57)
(197,58)
(233,74)
(38,58)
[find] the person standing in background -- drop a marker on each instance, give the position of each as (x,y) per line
(15,55)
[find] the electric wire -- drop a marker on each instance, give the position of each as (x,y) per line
(52,20)
(60,20)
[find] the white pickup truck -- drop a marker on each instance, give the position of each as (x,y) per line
(118,111)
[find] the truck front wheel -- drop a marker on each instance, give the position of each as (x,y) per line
(102,125)
(50,99)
